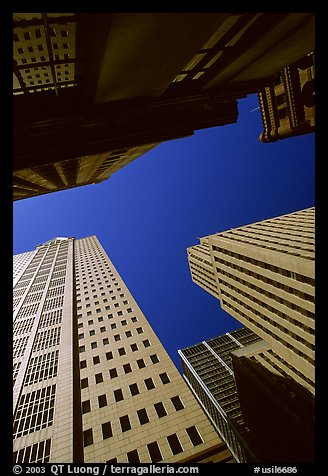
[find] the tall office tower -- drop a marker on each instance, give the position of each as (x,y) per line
(92,382)
(207,368)
(288,104)
(263,275)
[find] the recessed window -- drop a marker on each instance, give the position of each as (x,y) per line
(154,452)
(121,351)
(149,383)
(117,337)
(177,403)
(128,333)
(164,378)
(82,348)
(154,359)
(102,400)
(134,347)
(86,406)
(127,368)
(134,390)
(106,341)
(175,444)
(118,395)
(94,345)
(106,429)
(83,364)
(99,378)
(134,319)
(133,456)
(109,355)
(96,359)
(160,409)
(84,383)
(143,416)
(139,330)
(125,423)
(113,326)
(103,329)
(146,343)
(113,373)
(194,436)
(141,363)
(87,437)
(92,332)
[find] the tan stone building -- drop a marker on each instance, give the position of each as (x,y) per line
(92,381)
(288,103)
(263,275)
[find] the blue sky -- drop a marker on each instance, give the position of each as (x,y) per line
(150,211)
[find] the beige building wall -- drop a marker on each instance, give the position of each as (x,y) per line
(92,382)
(265,279)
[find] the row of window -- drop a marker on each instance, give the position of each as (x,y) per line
(133,388)
(117,337)
(153,447)
(109,355)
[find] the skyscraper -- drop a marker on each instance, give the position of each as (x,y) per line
(92,382)
(263,275)
(208,370)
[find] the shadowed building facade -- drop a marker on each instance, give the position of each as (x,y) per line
(92,92)
(264,276)
(91,380)
(262,413)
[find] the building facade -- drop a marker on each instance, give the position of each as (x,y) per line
(92,382)
(264,276)
(94,91)
(288,104)
(208,370)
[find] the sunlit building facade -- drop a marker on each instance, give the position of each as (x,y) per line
(92,382)
(264,276)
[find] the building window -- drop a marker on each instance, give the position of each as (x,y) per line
(125,423)
(87,437)
(99,378)
(175,444)
(164,378)
(105,341)
(194,436)
(82,348)
(133,456)
(177,403)
(121,351)
(143,417)
(117,337)
(83,364)
(86,406)
(96,360)
(128,333)
(139,330)
(127,368)
(154,452)
(106,430)
(134,390)
(141,363)
(146,343)
(94,345)
(109,355)
(160,409)
(84,383)
(154,359)
(118,395)
(149,383)
(102,400)
(113,373)
(134,347)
